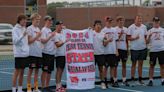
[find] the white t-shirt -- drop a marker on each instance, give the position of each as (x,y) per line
(134,31)
(110,33)
(98,43)
(60,51)
(49,47)
(157,39)
(122,43)
(20,42)
(36,47)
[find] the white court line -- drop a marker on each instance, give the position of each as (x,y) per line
(26,76)
(123,89)
(6,68)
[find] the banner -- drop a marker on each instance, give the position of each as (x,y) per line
(80,66)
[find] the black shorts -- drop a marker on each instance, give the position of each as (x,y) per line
(35,62)
(138,55)
(21,62)
(123,55)
(60,62)
(48,63)
(157,55)
(111,60)
(100,60)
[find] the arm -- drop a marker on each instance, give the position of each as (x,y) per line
(17,38)
(45,40)
(31,39)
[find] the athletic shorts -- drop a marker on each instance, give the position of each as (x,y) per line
(123,55)
(60,62)
(157,55)
(48,62)
(138,55)
(21,62)
(100,60)
(35,62)
(111,60)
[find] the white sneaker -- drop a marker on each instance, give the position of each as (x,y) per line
(103,86)
(36,90)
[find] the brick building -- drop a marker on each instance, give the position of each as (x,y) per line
(9,9)
(79,18)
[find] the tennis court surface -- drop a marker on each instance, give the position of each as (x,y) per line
(7,68)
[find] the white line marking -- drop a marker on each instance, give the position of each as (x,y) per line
(26,76)
(6,68)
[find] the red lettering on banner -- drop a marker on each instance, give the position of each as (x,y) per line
(80,57)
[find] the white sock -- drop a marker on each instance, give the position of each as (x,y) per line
(58,85)
(151,79)
(115,79)
(19,88)
(162,79)
(13,89)
(124,79)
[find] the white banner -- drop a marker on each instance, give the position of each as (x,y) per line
(80,66)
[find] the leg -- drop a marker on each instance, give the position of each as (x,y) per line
(29,79)
(140,66)
(48,79)
(43,78)
(36,79)
(59,72)
(124,70)
(133,69)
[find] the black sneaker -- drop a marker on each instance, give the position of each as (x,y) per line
(126,83)
(162,83)
(111,80)
(150,83)
(106,82)
(115,84)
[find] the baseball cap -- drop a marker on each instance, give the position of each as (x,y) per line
(156,19)
(108,18)
(47,18)
(58,22)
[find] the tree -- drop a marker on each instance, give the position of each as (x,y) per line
(51,8)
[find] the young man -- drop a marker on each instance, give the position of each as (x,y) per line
(60,55)
(99,50)
(110,50)
(122,45)
(48,53)
(137,37)
(35,55)
(156,40)
(21,51)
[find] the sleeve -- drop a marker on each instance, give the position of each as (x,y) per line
(116,35)
(16,37)
(29,31)
(129,31)
(146,32)
(44,34)
(57,39)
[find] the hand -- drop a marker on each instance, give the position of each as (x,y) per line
(52,34)
(110,40)
(25,33)
(137,37)
(38,34)
(117,54)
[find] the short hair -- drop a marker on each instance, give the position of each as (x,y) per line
(97,22)
(139,15)
(119,18)
(21,17)
(34,15)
